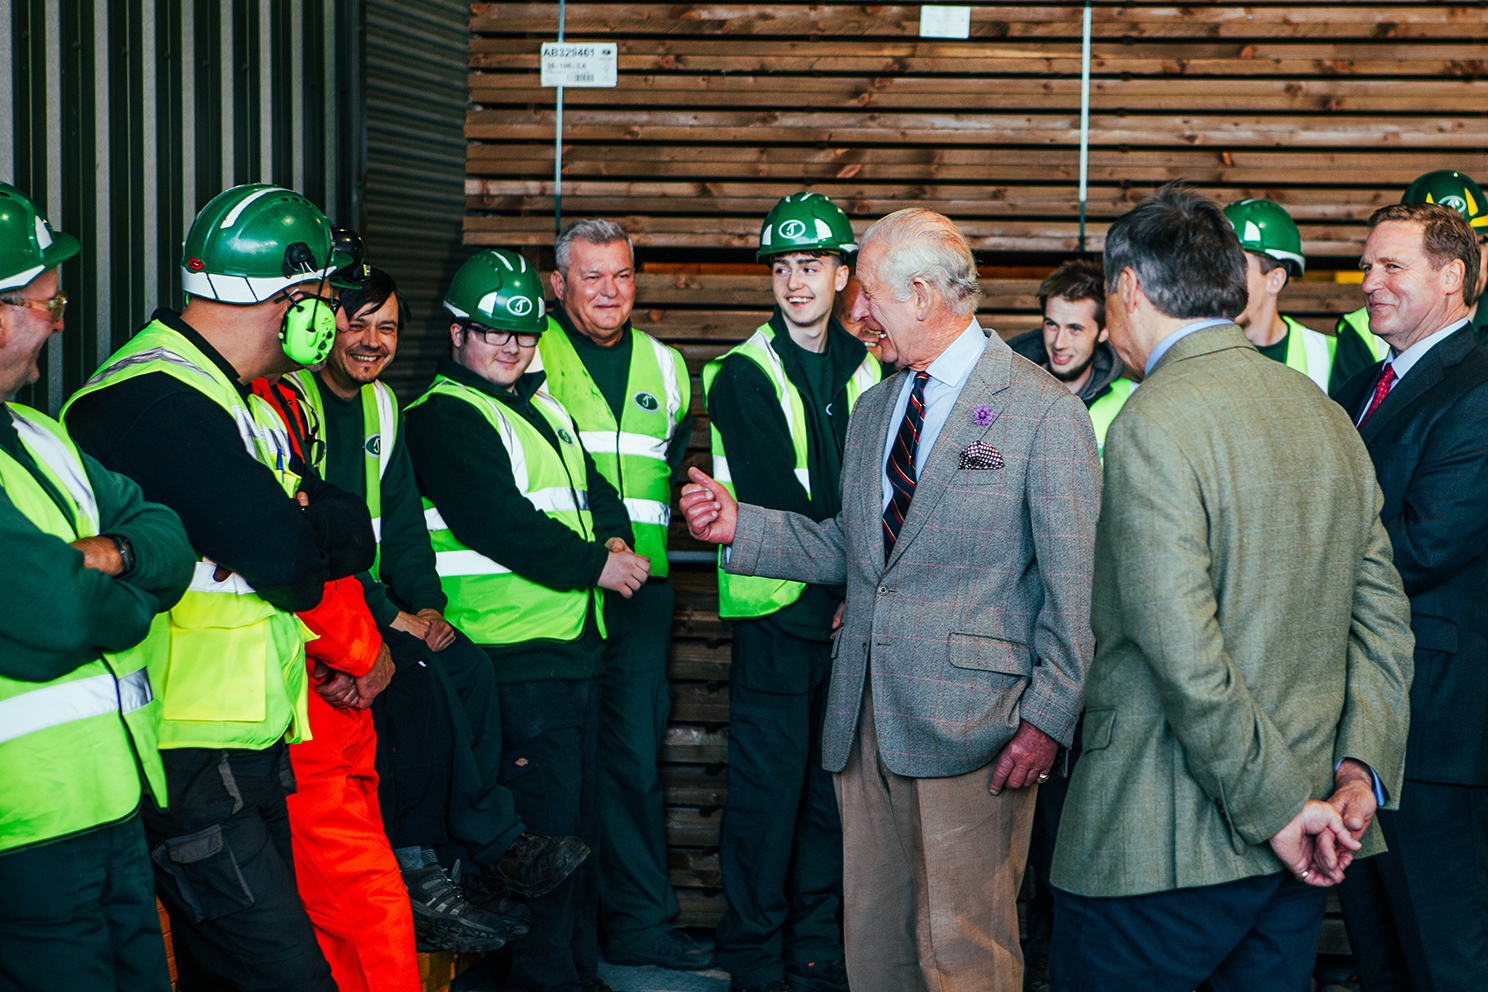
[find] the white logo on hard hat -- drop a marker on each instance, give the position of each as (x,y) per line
(44,237)
(792,229)
(1456,202)
(519,306)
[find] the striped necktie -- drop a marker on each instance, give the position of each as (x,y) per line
(901,468)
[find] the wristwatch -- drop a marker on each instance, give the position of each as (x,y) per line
(126,552)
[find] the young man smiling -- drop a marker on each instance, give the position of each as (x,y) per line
(438,775)
(1072,345)
(779,405)
(526,534)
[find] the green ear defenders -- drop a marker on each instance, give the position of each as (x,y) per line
(309,326)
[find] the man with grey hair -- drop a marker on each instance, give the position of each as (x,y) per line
(631,399)
(1247,707)
(970,490)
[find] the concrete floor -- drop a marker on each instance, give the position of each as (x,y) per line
(653,979)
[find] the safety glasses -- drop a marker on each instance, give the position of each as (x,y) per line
(51,307)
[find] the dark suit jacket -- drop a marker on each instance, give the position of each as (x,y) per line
(1429,443)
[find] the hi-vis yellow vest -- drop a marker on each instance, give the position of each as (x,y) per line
(1310,352)
(1104,410)
(1359,321)
(744,596)
(380,426)
(631,454)
(487,600)
(235,673)
(67,759)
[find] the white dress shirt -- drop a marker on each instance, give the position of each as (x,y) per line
(948,374)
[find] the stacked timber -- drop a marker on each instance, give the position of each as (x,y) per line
(1327,108)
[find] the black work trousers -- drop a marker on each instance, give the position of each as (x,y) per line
(224,868)
(781,841)
(439,753)
(636,901)
(1417,915)
(550,763)
(79,914)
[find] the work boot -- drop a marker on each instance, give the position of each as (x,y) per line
(672,949)
(444,920)
(534,865)
(492,897)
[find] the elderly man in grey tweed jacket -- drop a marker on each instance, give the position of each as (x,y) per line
(971,487)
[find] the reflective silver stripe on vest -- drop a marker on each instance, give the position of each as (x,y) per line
(1315,346)
(559,500)
(648,511)
(45,445)
(721,469)
(387,428)
(202,581)
(669,383)
(452,563)
(149,355)
(377,529)
(624,443)
(54,705)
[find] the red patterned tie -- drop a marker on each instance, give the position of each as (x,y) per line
(1381,390)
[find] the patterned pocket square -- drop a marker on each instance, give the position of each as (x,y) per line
(980,454)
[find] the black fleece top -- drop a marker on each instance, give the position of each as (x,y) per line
(1105,365)
(762,459)
(467,473)
(185,452)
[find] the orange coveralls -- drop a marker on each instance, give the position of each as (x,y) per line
(347,875)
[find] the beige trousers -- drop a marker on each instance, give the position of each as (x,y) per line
(931,870)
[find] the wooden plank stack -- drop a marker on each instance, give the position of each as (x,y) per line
(1328,108)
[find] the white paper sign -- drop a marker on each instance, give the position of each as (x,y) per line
(579,63)
(943,22)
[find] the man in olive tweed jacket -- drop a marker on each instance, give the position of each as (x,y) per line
(1251,635)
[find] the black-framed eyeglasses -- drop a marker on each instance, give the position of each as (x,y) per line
(496,337)
(52,306)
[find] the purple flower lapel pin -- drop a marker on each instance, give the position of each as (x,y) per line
(982,416)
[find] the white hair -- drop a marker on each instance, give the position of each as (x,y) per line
(922,244)
(596,231)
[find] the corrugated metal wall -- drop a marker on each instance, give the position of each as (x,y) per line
(121,118)
(415,180)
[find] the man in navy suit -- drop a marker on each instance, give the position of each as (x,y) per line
(1417,915)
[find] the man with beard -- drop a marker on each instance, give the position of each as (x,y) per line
(437,770)
(779,405)
(1072,345)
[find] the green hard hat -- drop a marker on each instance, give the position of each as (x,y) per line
(498,289)
(28,245)
(1451,189)
(805,222)
(252,241)
(1266,229)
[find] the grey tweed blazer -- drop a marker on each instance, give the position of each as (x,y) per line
(981,616)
